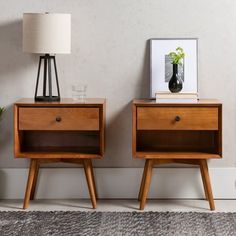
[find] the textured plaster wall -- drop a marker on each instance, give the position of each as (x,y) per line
(110,55)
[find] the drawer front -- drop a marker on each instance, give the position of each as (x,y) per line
(41,118)
(177,118)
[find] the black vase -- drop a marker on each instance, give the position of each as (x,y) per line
(175,83)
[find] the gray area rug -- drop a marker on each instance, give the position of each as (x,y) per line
(116,223)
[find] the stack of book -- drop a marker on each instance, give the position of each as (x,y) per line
(176,97)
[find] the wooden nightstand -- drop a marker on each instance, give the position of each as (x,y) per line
(59,132)
(188,133)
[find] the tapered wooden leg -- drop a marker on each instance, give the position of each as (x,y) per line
(147,182)
(31,175)
(32,194)
(94,184)
(142,182)
(204,181)
(89,178)
(205,172)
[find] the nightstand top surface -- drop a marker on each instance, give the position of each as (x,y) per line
(198,102)
(64,101)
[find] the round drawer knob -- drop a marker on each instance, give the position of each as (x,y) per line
(177,118)
(58,119)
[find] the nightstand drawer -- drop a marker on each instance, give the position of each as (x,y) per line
(54,118)
(177,118)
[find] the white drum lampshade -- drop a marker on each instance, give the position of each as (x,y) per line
(48,34)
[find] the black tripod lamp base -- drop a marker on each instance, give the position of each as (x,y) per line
(47,99)
(47,80)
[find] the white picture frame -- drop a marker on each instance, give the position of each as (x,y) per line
(159,50)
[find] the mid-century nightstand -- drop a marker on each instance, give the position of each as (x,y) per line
(189,133)
(63,131)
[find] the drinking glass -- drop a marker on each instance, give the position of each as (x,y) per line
(79,92)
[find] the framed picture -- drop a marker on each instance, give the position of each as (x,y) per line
(162,68)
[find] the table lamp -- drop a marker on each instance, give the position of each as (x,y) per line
(48,34)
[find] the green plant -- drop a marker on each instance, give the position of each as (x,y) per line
(2,109)
(177,56)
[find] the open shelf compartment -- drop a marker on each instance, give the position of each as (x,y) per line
(60,142)
(178,143)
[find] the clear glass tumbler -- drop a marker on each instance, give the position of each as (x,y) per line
(79,92)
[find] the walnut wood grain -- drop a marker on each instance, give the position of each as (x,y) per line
(17,133)
(143,181)
(32,169)
(199,102)
(156,135)
(207,185)
(90,182)
(134,129)
(56,155)
(102,121)
(202,164)
(160,139)
(76,138)
(177,155)
(35,179)
(163,118)
(41,118)
(146,184)
(68,102)
(93,179)
(40,143)
(204,182)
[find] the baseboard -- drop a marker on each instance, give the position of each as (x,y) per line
(60,183)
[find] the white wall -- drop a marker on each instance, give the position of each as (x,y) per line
(110,55)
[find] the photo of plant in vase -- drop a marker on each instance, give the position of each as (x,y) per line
(173,65)
(174,70)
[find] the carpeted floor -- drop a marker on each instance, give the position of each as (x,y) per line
(116,223)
